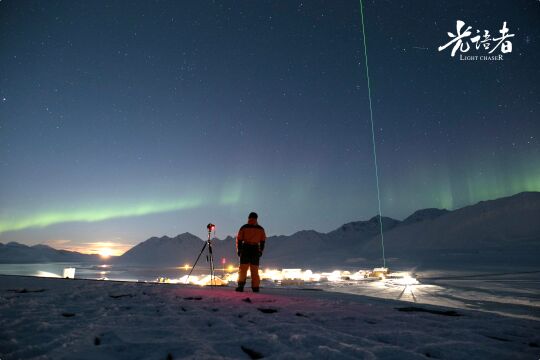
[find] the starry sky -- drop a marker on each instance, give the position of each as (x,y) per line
(121,120)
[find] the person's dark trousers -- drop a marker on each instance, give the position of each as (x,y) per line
(249,259)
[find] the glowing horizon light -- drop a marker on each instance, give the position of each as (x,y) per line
(105,249)
(105,253)
(47,274)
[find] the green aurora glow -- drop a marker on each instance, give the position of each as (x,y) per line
(95,214)
(448,190)
(440,196)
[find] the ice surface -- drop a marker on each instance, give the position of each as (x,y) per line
(83,319)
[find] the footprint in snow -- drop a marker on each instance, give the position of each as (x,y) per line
(497,338)
(24,291)
(430,311)
(267,310)
(251,353)
(121,296)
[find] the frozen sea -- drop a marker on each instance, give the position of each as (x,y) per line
(509,292)
(95,271)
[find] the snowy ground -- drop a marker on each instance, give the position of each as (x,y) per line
(507,293)
(83,319)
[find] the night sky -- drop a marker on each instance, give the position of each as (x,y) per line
(121,120)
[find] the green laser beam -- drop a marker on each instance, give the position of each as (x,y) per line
(373,133)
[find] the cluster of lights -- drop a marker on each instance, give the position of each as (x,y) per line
(203,280)
(281,277)
(336,276)
(299,276)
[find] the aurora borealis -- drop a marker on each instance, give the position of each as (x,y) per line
(123,121)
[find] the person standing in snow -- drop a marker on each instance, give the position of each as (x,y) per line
(250,246)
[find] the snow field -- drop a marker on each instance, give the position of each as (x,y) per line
(82,319)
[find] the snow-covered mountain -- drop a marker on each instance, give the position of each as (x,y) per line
(306,248)
(15,253)
(424,214)
(498,232)
(490,232)
(163,250)
(505,230)
(179,250)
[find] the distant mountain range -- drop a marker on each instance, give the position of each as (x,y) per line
(15,253)
(501,232)
(505,231)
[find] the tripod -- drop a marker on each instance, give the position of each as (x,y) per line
(209,256)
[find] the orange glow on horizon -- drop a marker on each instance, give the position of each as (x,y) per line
(105,252)
(104,249)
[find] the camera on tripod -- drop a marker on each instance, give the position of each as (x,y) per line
(209,257)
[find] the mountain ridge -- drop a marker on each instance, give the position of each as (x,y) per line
(17,253)
(412,240)
(488,228)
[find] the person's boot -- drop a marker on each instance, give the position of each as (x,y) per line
(255,289)
(240,287)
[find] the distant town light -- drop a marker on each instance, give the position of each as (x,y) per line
(69,273)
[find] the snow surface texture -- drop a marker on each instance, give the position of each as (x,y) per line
(84,319)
